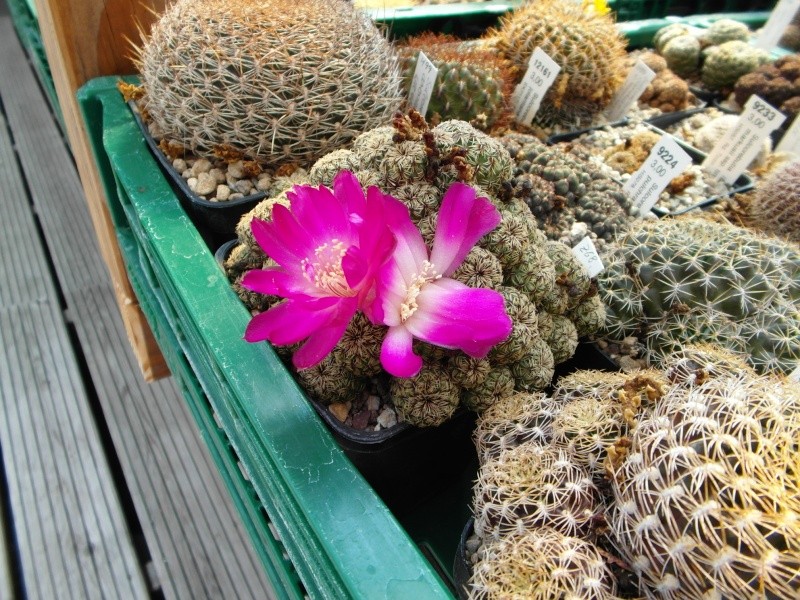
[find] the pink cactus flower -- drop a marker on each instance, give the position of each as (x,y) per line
(330,247)
(417,298)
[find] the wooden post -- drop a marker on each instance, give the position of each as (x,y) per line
(84,39)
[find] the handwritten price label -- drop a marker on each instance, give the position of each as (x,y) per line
(527,98)
(587,255)
(422,84)
(635,83)
(738,147)
(666,161)
(776,24)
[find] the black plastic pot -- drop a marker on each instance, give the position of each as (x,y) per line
(462,570)
(216,221)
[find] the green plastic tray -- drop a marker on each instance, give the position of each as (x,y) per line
(294,488)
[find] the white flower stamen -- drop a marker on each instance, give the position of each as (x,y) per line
(326,271)
(409,305)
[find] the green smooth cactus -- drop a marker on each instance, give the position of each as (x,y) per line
(724,64)
(278,81)
(587,47)
(675,281)
(707,498)
(666,34)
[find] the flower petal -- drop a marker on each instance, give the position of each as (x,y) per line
(452,315)
(391,293)
(294,320)
(410,251)
(320,344)
(355,266)
(266,234)
(278,282)
(463,219)
(397,357)
(348,191)
(321,214)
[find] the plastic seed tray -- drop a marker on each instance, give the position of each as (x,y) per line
(295,489)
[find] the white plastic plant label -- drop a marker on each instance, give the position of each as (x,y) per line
(790,142)
(795,375)
(422,84)
(738,147)
(542,72)
(666,161)
(639,77)
(587,255)
(773,29)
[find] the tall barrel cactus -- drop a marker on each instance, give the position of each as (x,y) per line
(547,293)
(275,80)
(587,47)
(691,280)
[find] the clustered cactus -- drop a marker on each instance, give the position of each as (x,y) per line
(719,54)
(667,91)
(587,47)
(547,293)
(275,81)
(777,83)
(472,84)
(568,194)
(671,282)
(697,496)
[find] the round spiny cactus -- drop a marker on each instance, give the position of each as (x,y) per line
(541,564)
(707,499)
(276,80)
(513,421)
(533,486)
(672,282)
(724,64)
(776,205)
(587,47)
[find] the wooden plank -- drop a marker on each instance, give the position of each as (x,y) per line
(6,575)
(197,542)
(72,537)
(71,32)
(199,546)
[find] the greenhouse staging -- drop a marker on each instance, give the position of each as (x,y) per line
(400,299)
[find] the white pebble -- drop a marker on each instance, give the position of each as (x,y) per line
(192,183)
(179,165)
(202,165)
(218,175)
(205,184)
(243,186)
(387,418)
(373,403)
(187,174)
(236,196)
(223,192)
(236,169)
(263,183)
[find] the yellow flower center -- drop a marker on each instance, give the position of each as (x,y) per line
(326,271)
(410,306)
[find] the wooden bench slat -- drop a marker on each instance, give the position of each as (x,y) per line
(59,482)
